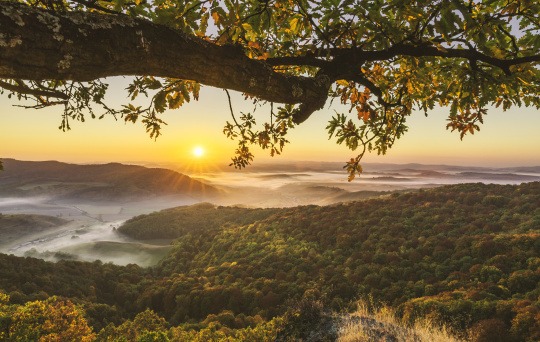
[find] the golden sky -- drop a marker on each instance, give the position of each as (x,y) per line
(506,139)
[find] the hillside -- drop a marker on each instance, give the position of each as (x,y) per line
(28,222)
(464,255)
(94,182)
(13,227)
(199,218)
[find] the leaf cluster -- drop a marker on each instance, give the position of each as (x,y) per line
(272,135)
(385,59)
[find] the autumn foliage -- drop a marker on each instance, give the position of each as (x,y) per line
(463,256)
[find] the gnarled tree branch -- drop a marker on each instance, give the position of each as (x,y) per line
(37,44)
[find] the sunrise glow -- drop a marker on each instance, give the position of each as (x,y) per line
(198,151)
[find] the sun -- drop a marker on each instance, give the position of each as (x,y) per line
(198,151)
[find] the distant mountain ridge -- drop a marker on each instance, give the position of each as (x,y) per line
(97,181)
(321,166)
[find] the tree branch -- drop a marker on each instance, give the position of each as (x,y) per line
(355,55)
(298,60)
(352,57)
(37,44)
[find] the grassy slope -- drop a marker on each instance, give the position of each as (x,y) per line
(29,222)
(15,226)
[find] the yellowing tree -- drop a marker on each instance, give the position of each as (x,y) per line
(52,320)
(384,59)
(5,313)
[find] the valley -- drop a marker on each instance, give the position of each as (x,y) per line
(270,254)
(89,202)
(465,255)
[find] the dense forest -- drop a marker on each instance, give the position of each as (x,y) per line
(466,255)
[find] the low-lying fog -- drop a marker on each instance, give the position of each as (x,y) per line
(291,188)
(372,181)
(90,232)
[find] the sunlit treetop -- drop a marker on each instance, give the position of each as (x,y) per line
(383,59)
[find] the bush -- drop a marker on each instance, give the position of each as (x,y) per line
(489,330)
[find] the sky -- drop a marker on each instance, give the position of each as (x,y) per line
(508,138)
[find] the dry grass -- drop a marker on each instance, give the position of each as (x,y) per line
(382,324)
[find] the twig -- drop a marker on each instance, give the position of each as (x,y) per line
(231,108)
(22,88)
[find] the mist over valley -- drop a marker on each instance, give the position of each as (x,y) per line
(55,211)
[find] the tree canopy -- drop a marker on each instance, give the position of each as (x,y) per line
(465,255)
(384,59)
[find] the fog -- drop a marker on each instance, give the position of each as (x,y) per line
(89,232)
(90,242)
(376,180)
(286,188)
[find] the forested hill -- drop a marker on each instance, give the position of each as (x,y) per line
(99,181)
(465,255)
(199,219)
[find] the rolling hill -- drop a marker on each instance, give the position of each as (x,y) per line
(13,227)
(95,182)
(466,256)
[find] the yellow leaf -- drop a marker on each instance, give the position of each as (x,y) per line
(215,16)
(522,80)
(295,25)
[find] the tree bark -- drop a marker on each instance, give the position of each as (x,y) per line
(37,44)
